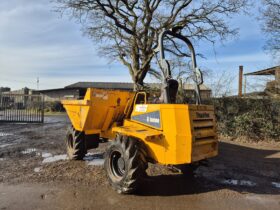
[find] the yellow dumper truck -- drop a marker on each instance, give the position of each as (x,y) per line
(166,133)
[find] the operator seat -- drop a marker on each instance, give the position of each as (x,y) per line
(173,89)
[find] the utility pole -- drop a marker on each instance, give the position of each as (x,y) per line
(37,83)
(240,82)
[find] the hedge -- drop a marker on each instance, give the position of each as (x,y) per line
(255,119)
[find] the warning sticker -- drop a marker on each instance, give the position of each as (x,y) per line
(141,108)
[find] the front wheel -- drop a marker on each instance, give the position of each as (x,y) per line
(75,144)
(125,164)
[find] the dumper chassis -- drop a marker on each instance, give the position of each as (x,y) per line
(166,133)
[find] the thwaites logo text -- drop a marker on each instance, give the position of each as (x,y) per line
(151,118)
(202,115)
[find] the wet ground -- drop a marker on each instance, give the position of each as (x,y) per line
(35,174)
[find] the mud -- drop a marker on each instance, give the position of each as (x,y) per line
(35,174)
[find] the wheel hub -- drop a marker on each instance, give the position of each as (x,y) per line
(121,163)
(117,164)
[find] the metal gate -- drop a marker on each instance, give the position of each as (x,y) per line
(21,108)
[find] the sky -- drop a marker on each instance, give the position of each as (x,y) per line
(36,42)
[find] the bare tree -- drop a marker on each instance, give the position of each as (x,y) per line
(271,25)
(127,29)
(221,83)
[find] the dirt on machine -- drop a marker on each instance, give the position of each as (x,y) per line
(179,135)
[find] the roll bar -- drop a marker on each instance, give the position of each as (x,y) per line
(166,67)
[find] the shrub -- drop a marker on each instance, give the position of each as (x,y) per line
(255,119)
(54,106)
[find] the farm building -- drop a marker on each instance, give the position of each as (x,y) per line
(78,90)
(189,88)
(272,87)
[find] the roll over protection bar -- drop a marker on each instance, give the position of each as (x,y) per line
(198,79)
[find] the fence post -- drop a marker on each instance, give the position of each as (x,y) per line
(43,108)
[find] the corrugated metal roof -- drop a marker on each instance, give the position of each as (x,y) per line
(107,85)
(124,86)
(269,71)
(56,89)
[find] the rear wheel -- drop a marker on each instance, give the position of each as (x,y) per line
(125,164)
(75,144)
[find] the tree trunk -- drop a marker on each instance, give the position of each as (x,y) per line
(139,77)
(138,83)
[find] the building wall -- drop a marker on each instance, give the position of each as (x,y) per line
(205,94)
(277,79)
(274,86)
(24,91)
(4,89)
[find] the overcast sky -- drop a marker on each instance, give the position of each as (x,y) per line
(36,42)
